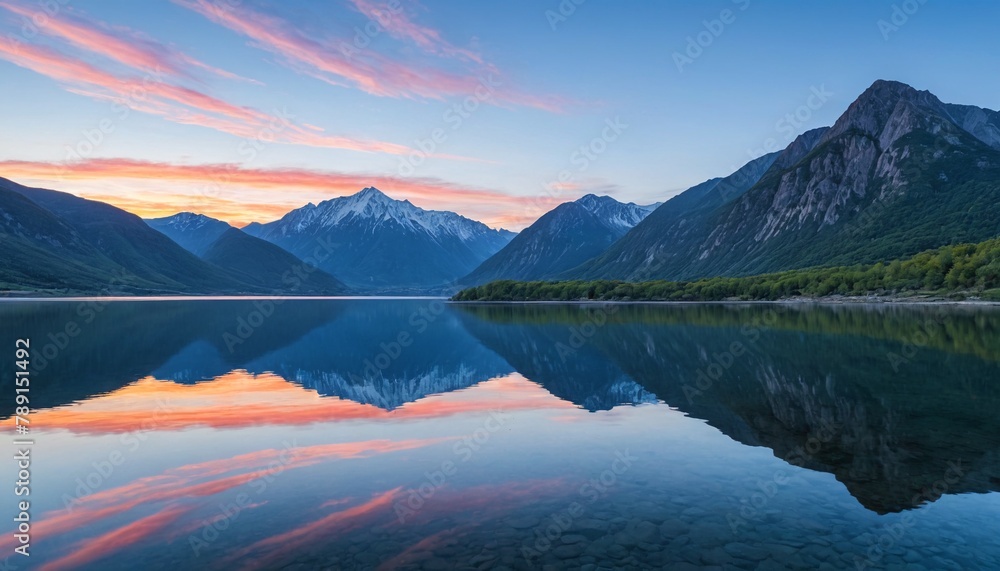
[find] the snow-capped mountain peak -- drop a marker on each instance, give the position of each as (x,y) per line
(614,213)
(380,240)
(373,206)
(187,221)
(194,232)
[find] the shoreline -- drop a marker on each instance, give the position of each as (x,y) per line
(834,300)
(789,301)
(112,298)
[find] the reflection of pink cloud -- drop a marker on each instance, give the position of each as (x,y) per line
(422,548)
(194,526)
(424,192)
(124,46)
(206,479)
(175,103)
(366,69)
(276,548)
(489,501)
(93,549)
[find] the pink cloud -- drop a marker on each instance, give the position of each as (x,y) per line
(399,25)
(121,44)
(341,63)
(180,104)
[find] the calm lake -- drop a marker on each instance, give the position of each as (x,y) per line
(416,434)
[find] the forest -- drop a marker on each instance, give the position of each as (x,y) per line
(964,271)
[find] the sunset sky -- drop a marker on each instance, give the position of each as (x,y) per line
(245,109)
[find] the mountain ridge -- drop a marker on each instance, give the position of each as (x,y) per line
(894,175)
(561,239)
(383,244)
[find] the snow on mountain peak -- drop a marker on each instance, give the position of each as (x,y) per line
(376,208)
(614,213)
(187,221)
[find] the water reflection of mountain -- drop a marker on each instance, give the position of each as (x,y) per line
(359,356)
(339,348)
(887,400)
(822,387)
(119,342)
(552,355)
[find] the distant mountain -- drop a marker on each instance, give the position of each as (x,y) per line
(260,263)
(689,213)
(245,257)
(41,251)
(561,239)
(375,243)
(90,246)
(898,173)
(59,243)
(194,232)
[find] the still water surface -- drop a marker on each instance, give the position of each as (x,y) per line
(412,434)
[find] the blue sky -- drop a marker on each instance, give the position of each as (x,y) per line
(244,126)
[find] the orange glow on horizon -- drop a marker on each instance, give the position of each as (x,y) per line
(242,195)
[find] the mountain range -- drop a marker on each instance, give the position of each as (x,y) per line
(244,257)
(375,243)
(561,239)
(898,173)
(54,241)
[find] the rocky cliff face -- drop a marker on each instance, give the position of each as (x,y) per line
(651,248)
(899,172)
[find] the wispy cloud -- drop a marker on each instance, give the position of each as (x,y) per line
(120,44)
(286,186)
(399,25)
(338,61)
(148,90)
